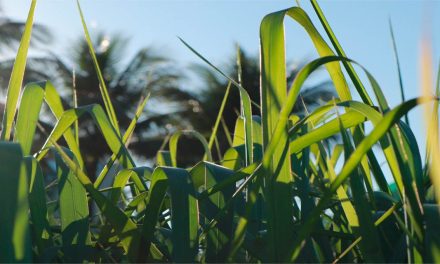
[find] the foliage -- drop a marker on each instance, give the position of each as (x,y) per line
(278,195)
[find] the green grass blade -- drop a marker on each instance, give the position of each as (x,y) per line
(350,70)
(378,132)
(273,96)
(73,204)
(219,117)
(432,218)
(42,234)
(16,80)
(128,133)
(370,246)
(175,139)
(246,109)
(102,86)
(399,71)
(102,122)
(53,100)
(204,176)
(350,119)
(15,244)
(323,49)
(27,117)
(124,227)
(121,180)
(184,212)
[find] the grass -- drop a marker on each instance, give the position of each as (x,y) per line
(281,193)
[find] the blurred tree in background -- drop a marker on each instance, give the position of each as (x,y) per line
(171,107)
(127,80)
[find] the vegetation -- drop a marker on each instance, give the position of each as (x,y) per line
(280,193)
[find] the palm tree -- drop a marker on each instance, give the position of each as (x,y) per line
(146,72)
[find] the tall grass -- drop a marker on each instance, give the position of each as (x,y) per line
(281,193)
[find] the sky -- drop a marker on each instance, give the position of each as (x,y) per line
(213,26)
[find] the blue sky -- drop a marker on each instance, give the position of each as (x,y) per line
(212,27)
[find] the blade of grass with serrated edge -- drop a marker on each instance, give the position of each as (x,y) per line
(102,86)
(16,80)
(125,137)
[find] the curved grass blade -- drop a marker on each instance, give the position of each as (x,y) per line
(348,67)
(378,132)
(175,139)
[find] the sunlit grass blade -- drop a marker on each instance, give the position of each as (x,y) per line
(219,117)
(174,139)
(399,71)
(278,176)
(102,86)
(431,118)
(16,80)
(27,116)
(378,132)
(128,133)
(53,100)
(123,225)
(340,52)
(109,133)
